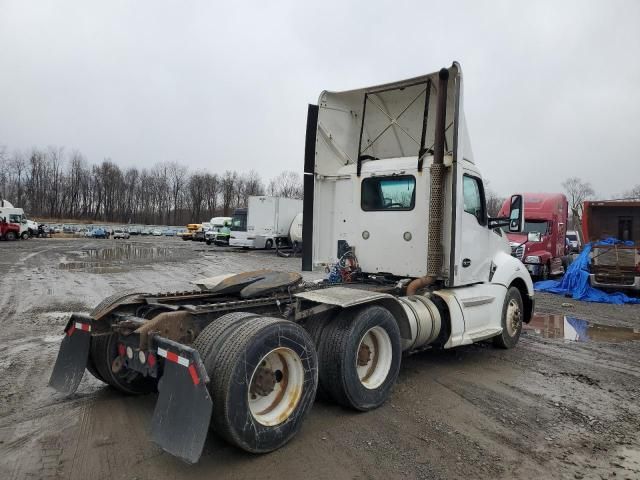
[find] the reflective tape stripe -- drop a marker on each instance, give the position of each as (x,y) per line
(85,327)
(194,374)
(173,357)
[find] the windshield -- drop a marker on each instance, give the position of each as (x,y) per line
(239,222)
(536,226)
(573,237)
(533,226)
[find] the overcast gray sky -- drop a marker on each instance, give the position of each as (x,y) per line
(552,89)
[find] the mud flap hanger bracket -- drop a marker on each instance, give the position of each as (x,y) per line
(183,411)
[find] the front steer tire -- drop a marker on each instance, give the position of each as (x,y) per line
(265,421)
(359,379)
(512,315)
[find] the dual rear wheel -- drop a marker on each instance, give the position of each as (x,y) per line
(360,353)
(263,376)
(264,371)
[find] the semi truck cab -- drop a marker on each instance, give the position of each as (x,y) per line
(544,254)
(394,210)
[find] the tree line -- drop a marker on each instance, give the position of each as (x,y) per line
(59,185)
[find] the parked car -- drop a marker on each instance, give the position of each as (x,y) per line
(120,233)
(145,231)
(99,233)
(169,233)
(156,233)
(574,241)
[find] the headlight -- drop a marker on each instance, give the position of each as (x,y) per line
(532,259)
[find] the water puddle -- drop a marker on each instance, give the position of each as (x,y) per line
(128,251)
(90,267)
(116,259)
(578,330)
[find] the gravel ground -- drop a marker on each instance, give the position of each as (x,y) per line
(550,408)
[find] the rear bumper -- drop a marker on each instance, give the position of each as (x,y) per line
(635,286)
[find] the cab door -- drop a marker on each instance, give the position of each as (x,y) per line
(474,258)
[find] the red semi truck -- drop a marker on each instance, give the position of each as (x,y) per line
(545,214)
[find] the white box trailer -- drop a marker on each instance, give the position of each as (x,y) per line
(268,222)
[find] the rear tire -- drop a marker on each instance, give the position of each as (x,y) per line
(263,383)
(315,327)
(268,245)
(210,340)
(361,354)
(512,313)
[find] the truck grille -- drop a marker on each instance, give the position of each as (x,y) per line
(517,251)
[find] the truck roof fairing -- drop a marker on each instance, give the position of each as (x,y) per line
(393,120)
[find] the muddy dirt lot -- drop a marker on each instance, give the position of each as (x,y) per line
(552,407)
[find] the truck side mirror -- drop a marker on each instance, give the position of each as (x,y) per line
(516,214)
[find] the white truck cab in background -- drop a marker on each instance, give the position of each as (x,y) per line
(268,221)
(16,215)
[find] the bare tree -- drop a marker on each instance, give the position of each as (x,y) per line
(287,184)
(229,187)
(4,171)
(577,192)
(177,180)
(494,202)
(634,193)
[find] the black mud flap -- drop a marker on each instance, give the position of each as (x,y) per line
(73,354)
(183,411)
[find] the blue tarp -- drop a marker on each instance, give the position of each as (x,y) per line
(575,282)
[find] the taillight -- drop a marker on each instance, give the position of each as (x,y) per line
(121,349)
(151,360)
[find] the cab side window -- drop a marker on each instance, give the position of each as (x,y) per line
(473,194)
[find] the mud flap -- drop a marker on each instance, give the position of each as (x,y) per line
(183,411)
(73,354)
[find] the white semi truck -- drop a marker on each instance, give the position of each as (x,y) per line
(394,208)
(16,215)
(268,222)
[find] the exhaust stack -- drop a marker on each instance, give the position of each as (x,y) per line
(436,203)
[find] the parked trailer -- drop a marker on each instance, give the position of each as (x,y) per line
(399,218)
(268,221)
(613,266)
